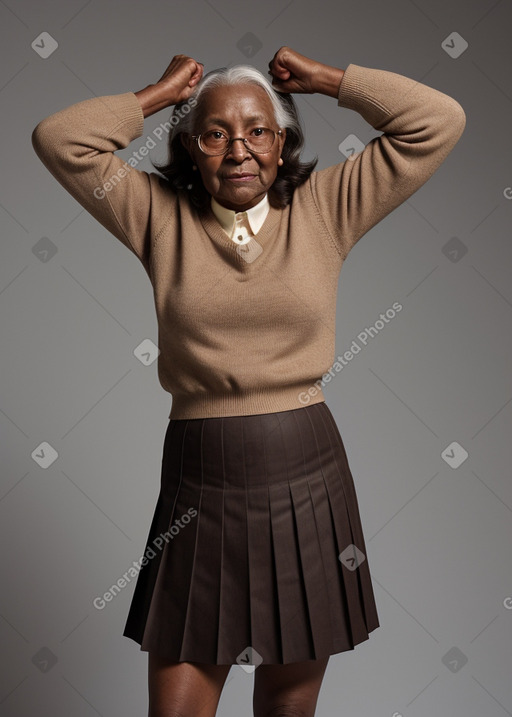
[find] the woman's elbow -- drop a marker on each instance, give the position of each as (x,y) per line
(40,138)
(45,139)
(457,120)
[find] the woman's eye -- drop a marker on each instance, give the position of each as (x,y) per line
(259,129)
(215,134)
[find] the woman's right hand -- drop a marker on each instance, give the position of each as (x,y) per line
(176,85)
(179,79)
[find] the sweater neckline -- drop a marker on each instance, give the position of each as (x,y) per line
(233,251)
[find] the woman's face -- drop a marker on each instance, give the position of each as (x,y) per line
(236,110)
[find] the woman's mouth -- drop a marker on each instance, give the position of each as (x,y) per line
(240,177)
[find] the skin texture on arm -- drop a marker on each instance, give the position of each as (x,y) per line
(151,100)
(176,85)
(293,72)
(328,82)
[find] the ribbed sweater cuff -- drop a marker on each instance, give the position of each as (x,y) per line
(360,88)
(128,109)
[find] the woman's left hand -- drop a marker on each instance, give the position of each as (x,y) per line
(292,72)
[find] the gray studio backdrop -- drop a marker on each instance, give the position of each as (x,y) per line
(424,407)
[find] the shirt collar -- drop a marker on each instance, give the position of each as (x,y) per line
(227,217)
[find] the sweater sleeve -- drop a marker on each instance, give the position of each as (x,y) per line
(77,146)
(420,127)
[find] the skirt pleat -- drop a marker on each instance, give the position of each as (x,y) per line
(358,584)
(256,551)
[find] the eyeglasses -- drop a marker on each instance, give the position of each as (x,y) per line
(215,142)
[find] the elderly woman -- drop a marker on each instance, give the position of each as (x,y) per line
(256,555)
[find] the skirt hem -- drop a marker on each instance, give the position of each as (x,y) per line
(172,657)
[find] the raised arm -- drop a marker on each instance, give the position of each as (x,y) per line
(420,127)
(77,146)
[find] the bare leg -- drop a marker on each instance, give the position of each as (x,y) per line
(184,689)
(288,690)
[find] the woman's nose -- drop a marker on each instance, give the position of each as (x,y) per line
(237,149)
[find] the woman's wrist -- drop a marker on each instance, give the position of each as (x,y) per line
(151,99)
(327,80)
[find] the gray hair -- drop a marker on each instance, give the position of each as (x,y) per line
(226,76)
(178,170)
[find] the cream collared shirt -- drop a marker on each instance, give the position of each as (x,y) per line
(240,226)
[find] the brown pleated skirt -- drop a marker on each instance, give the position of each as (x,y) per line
(256,552)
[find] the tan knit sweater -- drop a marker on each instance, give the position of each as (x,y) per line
(246,334)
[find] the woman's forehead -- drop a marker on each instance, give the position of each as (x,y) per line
(239,99)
